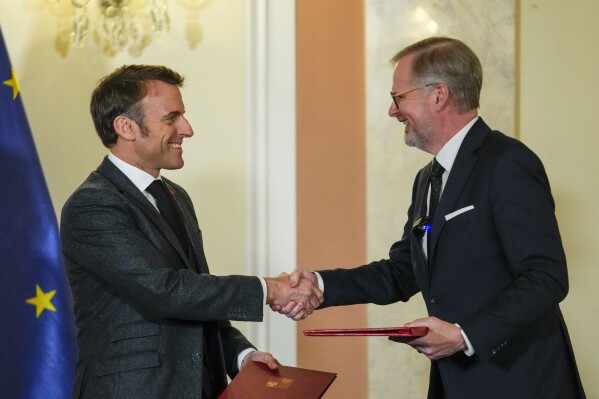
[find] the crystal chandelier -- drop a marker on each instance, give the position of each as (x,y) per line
(118,24)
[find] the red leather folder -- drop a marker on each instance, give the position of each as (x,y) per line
(257,381)
(407,332)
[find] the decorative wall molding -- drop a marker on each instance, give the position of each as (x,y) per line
(271,126)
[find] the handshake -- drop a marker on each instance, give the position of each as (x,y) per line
(295,295)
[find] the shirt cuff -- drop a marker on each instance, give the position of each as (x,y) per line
(469,351)
(263,282)
(320,282)
(242,356)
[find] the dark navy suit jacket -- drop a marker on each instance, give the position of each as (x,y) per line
(498,269)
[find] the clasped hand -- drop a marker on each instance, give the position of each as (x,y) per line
(295,295)
(443,338)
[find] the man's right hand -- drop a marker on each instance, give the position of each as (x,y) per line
(294,296)
(295,310)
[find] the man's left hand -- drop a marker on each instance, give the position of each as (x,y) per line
(443,338)
(263,357)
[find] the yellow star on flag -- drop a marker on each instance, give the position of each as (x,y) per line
(14,83)
(42,301)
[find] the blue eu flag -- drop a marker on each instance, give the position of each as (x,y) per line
(37,330)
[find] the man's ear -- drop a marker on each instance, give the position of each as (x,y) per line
(442,96)
(125,127)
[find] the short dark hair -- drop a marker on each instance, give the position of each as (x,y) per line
(449,61)
(120,93)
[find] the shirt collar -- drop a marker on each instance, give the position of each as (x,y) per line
(138,177)
(449,152)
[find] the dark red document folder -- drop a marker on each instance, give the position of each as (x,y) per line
(407,332)
(257,381)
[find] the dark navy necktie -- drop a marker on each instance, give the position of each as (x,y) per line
(436,181)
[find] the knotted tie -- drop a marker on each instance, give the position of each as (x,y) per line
(168,210)
(436,181)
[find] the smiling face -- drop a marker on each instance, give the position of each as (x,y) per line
(158,143)
(413,107)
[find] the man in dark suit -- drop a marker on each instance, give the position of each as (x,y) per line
(489,263)
(152,321)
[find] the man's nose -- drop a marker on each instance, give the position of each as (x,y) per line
(393,110)
(185,129)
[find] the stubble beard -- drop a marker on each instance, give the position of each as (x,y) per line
(414,139)
(418,138)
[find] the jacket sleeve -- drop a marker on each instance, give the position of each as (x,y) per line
(104,235)
(382,282)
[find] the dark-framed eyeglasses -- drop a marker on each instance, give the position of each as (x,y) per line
(398,97)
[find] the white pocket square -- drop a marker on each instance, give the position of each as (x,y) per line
(458,212)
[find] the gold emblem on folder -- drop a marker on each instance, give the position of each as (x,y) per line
(279,383)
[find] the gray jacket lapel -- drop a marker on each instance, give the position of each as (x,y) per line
(132,193)
(191,227)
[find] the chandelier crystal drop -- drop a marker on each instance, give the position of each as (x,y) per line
(118,24)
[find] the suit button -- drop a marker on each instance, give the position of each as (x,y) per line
(195,357)
(434,300)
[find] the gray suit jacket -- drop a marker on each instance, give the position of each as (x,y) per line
(498,269)
(142,304)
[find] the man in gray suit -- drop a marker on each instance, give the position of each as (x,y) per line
(152,321)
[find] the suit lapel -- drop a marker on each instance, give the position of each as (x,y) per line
(419,215)
(460,171)
(132,193)
(191,230)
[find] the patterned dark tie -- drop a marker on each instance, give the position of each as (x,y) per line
(168,210)
(436,181)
